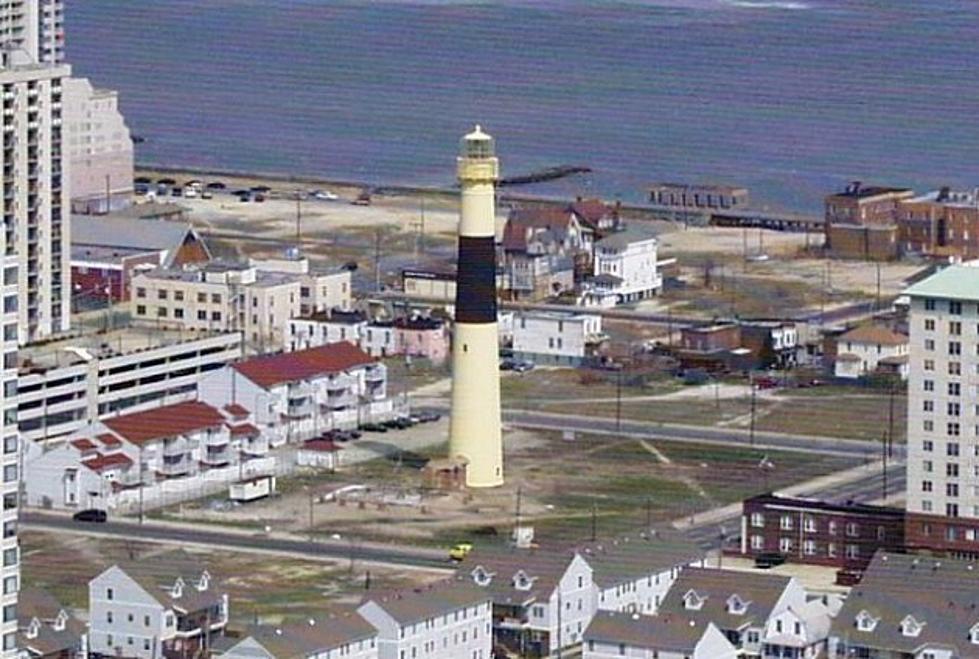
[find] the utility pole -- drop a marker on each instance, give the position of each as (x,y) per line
(649,514)
(744,249)
(618,399)
(883,453)
(141,484)
(516,516)
(877,304)
(754,389)
(108,193)
(890,422)
(299,223)
(594,522)
(377,261)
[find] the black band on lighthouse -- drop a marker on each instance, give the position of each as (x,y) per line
(476,280)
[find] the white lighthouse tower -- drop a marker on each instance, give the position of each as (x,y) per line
(474,426)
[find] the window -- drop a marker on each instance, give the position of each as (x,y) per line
(954,409)
(108,594)
(928,385)
(178,296)
(926,486)
(954,368)
(952,470)
(161,294)
(831,527)
(757,542)
(955,328)
(952,449)
(954,389)
(852,529)
(201,298)
(785,523)
(216,298)
(951,489)
(141,292)
(929,324)
(809,547)
(929,364)
(951,510)
(201,314)
(929,344)
(928,405)
(178,313)
(852,551)
(785,545)
(927,446)
(140,309)
(216,315)
(161,312)
(955,307)
(810,524)
(929,304)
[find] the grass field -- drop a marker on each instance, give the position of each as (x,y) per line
(259,587)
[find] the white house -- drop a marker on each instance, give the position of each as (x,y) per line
(910,606)
(614,634)
(626,268)
(323,327)
(47,629)
(549,337)
(334,637)
(168,606)
(743,605)
(633,574)
(870,349)
(545,598)
(449,619)
(174,448)
(299,395)
(798,631)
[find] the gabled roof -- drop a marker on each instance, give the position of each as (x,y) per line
(108,439)
(84,444)
(158,576)
(544,567)
(243,430)
(592,211)
(628,558)
(236,409)
(100,462)
(761,591)
(665,633)
(874,335)
(632,233)
(166,421)
(270,370)
(311,637)
(411,606)
(941,594)
(544,223)
(130,234)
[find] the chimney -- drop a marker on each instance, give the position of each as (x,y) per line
(944,193)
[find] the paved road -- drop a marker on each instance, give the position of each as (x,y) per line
(202,535)
(864,490)
(857,449)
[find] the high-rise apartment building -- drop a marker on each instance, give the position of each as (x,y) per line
(51,31)
(36,199)
(9,459)
(943,415)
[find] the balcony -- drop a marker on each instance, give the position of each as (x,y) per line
(172,467)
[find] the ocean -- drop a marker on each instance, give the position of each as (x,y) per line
(790,98)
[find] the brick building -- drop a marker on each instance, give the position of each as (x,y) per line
(843,535)
(941,223)
(861,221)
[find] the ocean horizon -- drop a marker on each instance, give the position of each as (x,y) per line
(790,98)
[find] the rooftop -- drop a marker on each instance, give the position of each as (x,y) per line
(714,587)
(720,189)
(956,282)
(127,233)
(420,604)
(669,632)
(947,197)
(311,637)
(166,421)
(874,335)
(270,370)
(83,347)
(633,232)
(940,595)
(857,190)
(819,504)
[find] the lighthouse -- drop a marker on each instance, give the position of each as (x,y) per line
(474,424)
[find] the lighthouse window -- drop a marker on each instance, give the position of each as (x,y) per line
(465,348)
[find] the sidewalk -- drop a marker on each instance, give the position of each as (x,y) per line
(724,513)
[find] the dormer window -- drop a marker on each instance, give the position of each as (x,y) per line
(521,581)
(866,622)
(33,629)
(204,582)
(178,589)
(692,601)
(481,576)
(911,627)
(974,634)
(736,605)
(61,621)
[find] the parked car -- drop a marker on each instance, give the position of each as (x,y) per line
(373,427)
(325,195)
(460,550)
(90,515)
(428,417)
(363,199)
(524,366)
(507,364)
(766,383)
(769,560)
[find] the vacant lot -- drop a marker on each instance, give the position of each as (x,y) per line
(260,587)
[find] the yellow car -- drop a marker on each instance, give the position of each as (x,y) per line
(460,551)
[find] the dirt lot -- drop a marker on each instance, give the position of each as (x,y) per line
(258,587)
